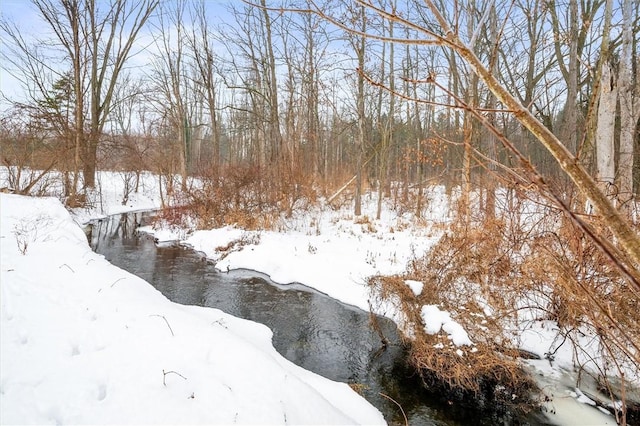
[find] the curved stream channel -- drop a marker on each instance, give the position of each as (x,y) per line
(310,329)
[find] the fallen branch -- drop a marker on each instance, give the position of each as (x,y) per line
(64,264)
(173,372)
(406,421)
(119,279)
(165,320)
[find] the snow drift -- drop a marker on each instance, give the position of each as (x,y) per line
(86,342)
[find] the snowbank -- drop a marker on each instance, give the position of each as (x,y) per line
(327,251)
(86,342)
(435,320)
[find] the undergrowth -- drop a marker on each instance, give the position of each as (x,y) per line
(247,196)
(497,277)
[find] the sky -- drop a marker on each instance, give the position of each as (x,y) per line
(25,16)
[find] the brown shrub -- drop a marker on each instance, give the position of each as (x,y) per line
(496,277)
(246,195)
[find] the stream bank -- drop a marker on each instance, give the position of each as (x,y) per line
(314,331)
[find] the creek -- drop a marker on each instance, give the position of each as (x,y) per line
(309,328)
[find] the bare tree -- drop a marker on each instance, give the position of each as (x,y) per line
(28,153)
(448,36)
(172,87)
(251,73)
(359,44)
(272,87)
(607,102)
(387,125)
(200,44)
(605,132)
(95,43)
(35,70)
(111,36)
(629,96)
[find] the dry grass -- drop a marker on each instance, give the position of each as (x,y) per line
(496,277)
(486,363)
(248,196)
(237,245)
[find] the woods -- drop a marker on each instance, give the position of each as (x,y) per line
(331,89)
(250,110)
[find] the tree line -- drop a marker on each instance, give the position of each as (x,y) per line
(323,91)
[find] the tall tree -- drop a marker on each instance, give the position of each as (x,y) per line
(606,116)
(95,39)
(359,44)
(172,85)
(272,87)
(629,96)
(389,123)
(252,72)
(437,30)
(112,35)
(201,48)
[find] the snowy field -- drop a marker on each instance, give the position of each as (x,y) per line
(85,342)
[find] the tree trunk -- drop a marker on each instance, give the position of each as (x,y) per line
(275,135)
(79,135)
(492,154)
(387,134)
(628,113)
(111,38)
(570,128)
(605,130)
(360,49)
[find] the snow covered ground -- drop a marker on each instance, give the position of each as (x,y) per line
(324,249)
(85,342)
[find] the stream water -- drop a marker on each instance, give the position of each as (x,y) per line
(311,329)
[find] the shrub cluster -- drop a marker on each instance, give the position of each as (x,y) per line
(498,277)
(246,195)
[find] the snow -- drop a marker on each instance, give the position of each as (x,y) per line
(415,286)
(566,405)
(84,342)
(580,397)
(434,320)
(327,251)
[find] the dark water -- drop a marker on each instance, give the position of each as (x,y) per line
(310,329)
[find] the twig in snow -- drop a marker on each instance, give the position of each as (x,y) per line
(220,322)
(170,372)
(119,279)
(64,264)
(165,320)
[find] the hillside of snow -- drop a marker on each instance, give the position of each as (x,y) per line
(84,342)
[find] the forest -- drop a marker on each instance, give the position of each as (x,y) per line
(527,112)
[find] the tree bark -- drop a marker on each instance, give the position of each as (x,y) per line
(110,41)
(360,50)
(272,83)
(605,130)
(629,109)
